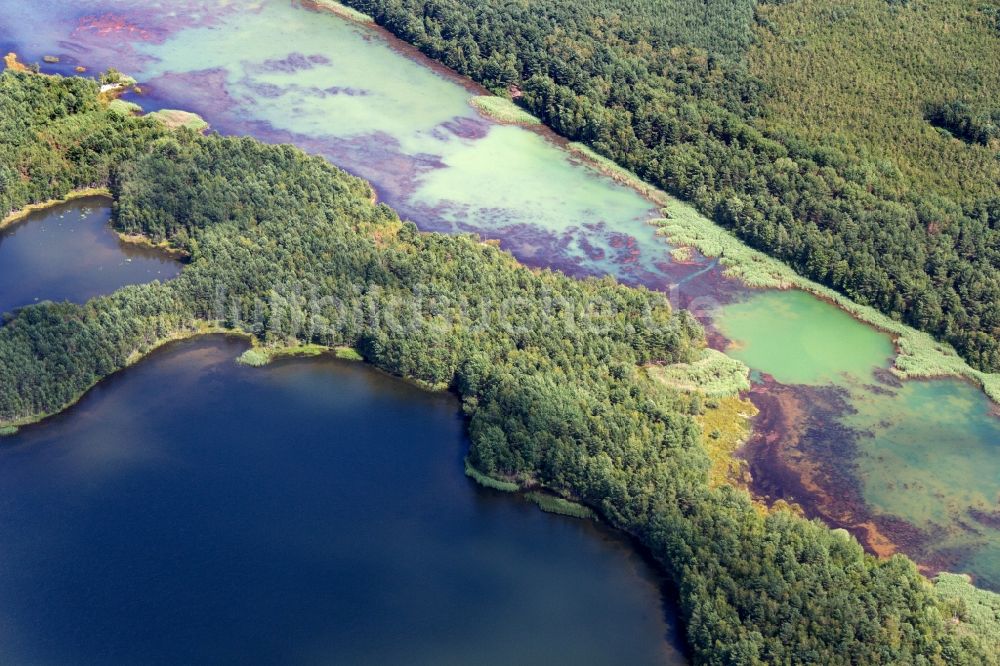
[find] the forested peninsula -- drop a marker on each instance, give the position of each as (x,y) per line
(550,370)
(857,141)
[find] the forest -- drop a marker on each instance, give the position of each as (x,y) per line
(853,140)
(550,372)
(57,138)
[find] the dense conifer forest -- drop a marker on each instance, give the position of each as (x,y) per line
(550,370)
(857,140)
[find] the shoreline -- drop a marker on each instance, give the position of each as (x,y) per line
(917,354)
(139,240)
(20,214)
(195,329)
(136,356)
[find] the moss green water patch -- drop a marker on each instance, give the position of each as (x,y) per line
(714,374)
(489,481)
(558,505)
(407,128)
(799,339)
(7,431)
(934,453)
(932,458)
(525,176)
(503,110)
(354,85)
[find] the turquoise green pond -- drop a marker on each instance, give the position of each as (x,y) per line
(799,339)
(924,453)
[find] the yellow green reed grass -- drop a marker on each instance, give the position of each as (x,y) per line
(341,10)
(12,63)
(919,354)
(489,481)
(558,505)
(174,118)
(124,108)
(713,374)
(258,355)
(503,110)
(166,247)
(348,354)
(725,426)
(254,357)
(724,417)
(682,253)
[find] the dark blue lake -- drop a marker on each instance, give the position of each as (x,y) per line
(191,510)
(69,252)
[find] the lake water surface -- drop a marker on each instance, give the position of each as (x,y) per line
(69,253)
(191,510)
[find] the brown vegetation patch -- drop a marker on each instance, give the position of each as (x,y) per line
(800,452)
(12,63)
